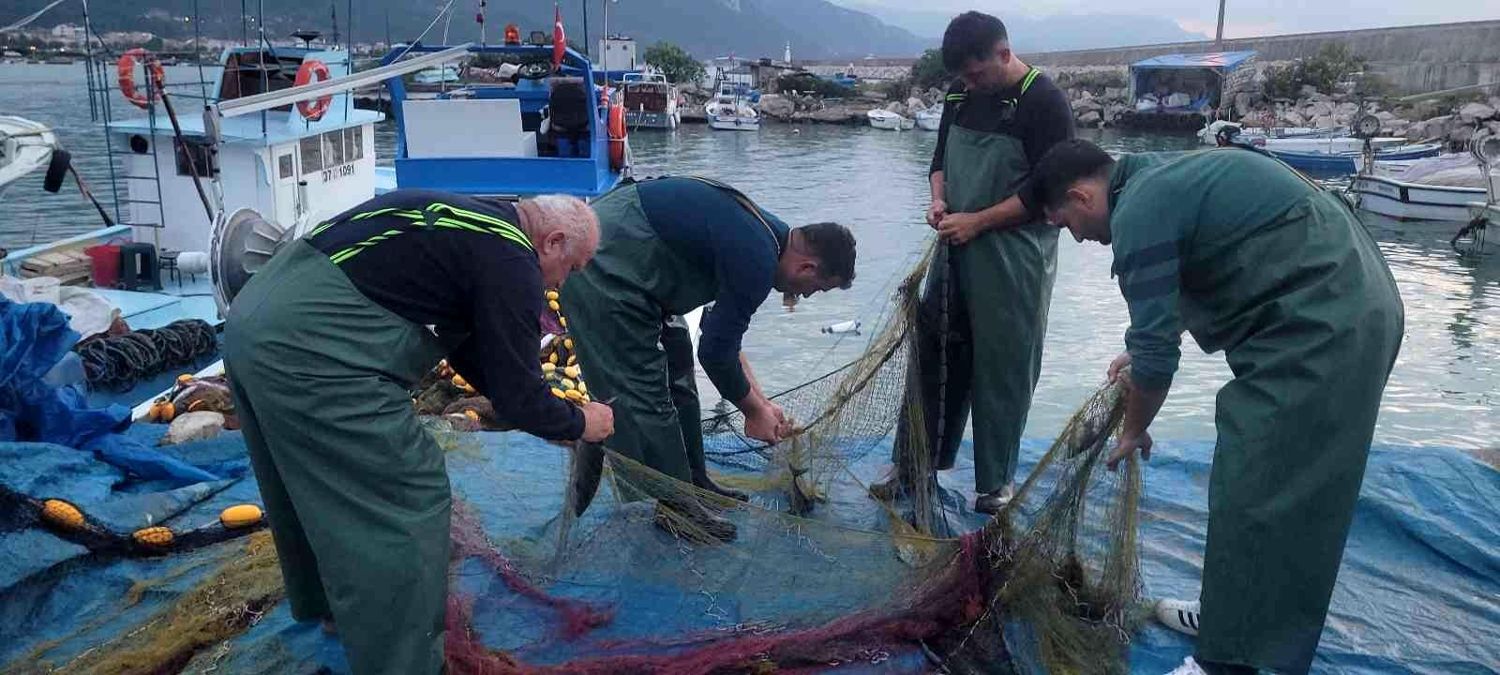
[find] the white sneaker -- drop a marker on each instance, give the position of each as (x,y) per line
(1179,615)
(1188,667)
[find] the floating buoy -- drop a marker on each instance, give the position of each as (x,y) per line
(471,414)
(552,295)
(573,395)
(460,382)
(552,304)
(155,537)
(62,514)
(572,371)
(183,379)
(241,515)
(558,393)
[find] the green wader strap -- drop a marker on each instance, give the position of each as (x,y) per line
(744,202)
(437,214)
(1026,81)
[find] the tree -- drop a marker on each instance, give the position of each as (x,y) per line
(678,65)
(928,72)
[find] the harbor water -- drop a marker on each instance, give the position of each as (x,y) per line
(1445,390)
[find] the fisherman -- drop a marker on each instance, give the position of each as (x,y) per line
(669,246)
(321,348)
(1253,259)
(993,278)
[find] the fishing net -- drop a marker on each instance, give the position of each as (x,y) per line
(807,584)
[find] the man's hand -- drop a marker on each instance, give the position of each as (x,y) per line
(765,423)
(936,211)
(1117,367)
(1129,444)
(598,422)
(961,228)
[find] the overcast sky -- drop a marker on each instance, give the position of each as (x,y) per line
(1243,18)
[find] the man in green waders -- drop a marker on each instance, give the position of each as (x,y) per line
(985,303)
(321,348)
(669,246)
(1253,259)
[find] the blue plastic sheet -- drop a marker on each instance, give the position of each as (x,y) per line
(1419,591)
(34,337)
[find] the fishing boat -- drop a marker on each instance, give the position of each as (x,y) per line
(885,119)
(1210,133)
(930,119)
(552,131)
(730,111)
(25,146)
(650,101)
(1435,188)
(1347,162)
(441,75)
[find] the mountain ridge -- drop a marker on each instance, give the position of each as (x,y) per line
(706,28)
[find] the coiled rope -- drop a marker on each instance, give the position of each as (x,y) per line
(118,362)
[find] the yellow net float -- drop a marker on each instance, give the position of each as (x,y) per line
(460,382)
(558,393)
(568,344)
(572,371)
(573,395)
(552,304)
(553,295)
(471,414)
(155,537)
(62,514)
(184,379)
(240,515)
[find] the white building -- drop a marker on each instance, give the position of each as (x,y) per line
(617,52)
(68,32)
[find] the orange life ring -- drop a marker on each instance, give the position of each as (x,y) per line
(310,69)
(125,67)
(617,133)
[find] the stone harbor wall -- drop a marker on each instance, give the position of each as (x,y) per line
(1099,96)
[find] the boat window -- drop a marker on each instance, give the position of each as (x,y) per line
(284,166)
(333,148)
(247,74)
(312,154)
(199,152)
(349,151)
(358,134)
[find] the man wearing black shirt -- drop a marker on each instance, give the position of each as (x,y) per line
(321,348)
(986,300)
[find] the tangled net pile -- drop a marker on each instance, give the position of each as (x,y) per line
(117,362)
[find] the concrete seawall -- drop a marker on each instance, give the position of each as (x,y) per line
(1412,58)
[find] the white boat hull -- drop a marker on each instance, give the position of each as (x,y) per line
(929,122)
(889,121)
(733,123)
(1414,201)
(25,146)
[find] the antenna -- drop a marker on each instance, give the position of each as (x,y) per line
(333,13)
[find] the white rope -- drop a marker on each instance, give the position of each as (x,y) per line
(33,17)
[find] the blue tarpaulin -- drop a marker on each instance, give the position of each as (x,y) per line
(1419,590)
(1222,61)
(34,337)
